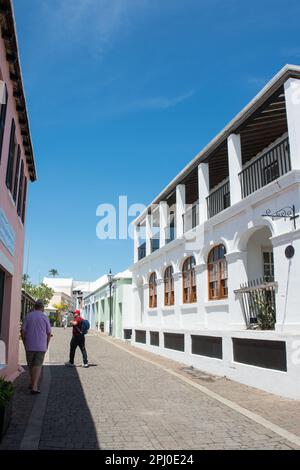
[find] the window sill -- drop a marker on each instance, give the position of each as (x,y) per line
(191,304)
(11,198)
(20,222)
(216,303)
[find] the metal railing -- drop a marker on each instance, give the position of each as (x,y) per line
(142,251)
(191,217)
(154,244)
(170,234)
(27,304)
(258,303)
(265,169)
(219,199)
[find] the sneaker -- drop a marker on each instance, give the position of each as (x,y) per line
(85,366)
(69,364)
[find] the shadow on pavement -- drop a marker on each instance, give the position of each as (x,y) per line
(62,422)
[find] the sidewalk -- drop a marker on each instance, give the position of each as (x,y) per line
(132,399)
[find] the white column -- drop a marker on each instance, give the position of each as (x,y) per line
(235,167)
(201,286)
(180,209)
(163,222)
(178,298)
(160,300)
(146,304)
(237,275)
(203,189)
(292,100)
(148,234)
(136,235)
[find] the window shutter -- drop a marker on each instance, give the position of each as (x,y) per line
(3,116)
(16,182)
(24,200)
(11,155)
(20,196)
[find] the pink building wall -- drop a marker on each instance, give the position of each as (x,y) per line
(11,264)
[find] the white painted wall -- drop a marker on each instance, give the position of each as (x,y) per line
(286,384)
(240,227)
(244,232)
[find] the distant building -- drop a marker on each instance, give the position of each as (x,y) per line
(17,169)
(111,310)
(67,290)
(60,298)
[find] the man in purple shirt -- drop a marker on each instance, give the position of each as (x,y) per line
(36,334)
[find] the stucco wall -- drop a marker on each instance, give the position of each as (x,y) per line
(12,302)
(240,228)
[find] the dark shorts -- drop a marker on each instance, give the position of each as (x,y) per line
(35,358)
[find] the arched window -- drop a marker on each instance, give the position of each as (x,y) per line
(189,281)
(169,286)
(152,291)
(217,273)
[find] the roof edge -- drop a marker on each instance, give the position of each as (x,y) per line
(9,36)
(288,71)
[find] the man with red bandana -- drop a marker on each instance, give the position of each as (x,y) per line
(78,339)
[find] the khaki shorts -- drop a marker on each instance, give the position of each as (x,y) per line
(35,359)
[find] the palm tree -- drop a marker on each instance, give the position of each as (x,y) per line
(61,309)
(53,272)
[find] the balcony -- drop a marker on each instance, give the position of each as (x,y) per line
(266,168)
(219,199)
(191,217)
(154,244)
(171,234)
(142,251)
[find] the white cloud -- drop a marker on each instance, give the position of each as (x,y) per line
(257,81)
(90,23)
(123,107)
(157,102)
(291,52)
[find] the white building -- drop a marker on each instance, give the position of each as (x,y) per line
(60,298)
(67,290)
(210,264)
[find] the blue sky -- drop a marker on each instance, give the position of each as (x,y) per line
(121,95)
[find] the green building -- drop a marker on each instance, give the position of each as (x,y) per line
(108,306)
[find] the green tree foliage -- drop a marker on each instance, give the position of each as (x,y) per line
(40,291)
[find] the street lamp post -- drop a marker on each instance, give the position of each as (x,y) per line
(110,282)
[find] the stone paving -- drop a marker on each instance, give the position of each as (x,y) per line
(124,403)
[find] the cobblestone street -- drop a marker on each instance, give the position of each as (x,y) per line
(130,399)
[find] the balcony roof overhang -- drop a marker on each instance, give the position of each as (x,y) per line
(8,31)
(234,126)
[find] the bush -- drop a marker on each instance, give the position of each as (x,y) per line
(266,315)
(52,319)
(6,392)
